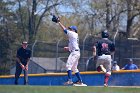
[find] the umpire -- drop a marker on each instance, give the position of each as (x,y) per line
(22,60)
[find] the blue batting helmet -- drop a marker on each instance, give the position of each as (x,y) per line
(74,28)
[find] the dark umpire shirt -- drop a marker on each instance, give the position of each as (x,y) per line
(23,55)
(105,46)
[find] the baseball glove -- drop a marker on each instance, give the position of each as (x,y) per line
(55,19)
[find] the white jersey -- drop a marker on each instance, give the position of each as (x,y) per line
(116,68)
(73,41)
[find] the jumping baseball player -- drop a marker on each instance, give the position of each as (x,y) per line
(74,50)
(103,50)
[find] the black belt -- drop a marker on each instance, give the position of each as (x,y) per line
(74,50)
(105,54)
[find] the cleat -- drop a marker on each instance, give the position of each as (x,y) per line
(105,85)
(102,68)
(68,83)
(79,83)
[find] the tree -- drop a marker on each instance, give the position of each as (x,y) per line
(133,11)
(7,36)
(36,10)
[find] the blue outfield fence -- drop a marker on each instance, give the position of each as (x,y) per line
(118,78)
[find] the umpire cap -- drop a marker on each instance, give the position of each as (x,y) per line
(105,34)
(24,42)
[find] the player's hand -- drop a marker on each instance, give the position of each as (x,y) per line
(22,66)
(26,67)
(66,48)
(55,19)
(94,48)
(58,19)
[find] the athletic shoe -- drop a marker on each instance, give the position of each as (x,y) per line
(105,85)
(78,83)
(25,83)
(102,68)
(68,83)
(16,83)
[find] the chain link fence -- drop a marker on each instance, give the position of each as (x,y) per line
(51,57)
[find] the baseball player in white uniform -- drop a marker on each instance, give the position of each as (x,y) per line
(73,48)
(74,56)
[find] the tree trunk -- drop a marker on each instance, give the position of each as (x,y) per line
(107,15)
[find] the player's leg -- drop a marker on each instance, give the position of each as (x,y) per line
(75,69)
(17,73)
(107,65)
(25,77)
(106,78)
(69,70)
(99,64)
(75,58)
(79,82)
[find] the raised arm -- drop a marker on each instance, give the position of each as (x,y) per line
(57,20)
(64,29)
(62,26)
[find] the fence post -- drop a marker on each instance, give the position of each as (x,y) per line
(33,48)
(57,52)
(87,35)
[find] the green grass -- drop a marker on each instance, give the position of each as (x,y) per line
(66,89)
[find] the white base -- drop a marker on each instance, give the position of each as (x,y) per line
(79,85)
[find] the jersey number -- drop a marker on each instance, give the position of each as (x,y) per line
(104,47)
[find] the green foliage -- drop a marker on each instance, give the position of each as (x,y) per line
(8,35)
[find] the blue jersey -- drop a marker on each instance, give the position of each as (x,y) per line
(130,67)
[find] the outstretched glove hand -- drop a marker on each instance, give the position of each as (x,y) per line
(55,19)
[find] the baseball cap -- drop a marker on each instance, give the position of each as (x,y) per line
(73,28)
(24,42)
(131,60)
(115,62)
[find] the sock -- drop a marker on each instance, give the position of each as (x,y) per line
(78,76)
(106,78)
(69,75)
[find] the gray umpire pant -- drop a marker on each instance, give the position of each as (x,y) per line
(18,72)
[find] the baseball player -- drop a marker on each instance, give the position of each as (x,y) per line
(73,48)
(103,50)
(23,57)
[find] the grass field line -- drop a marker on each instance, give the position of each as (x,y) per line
(121,86)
